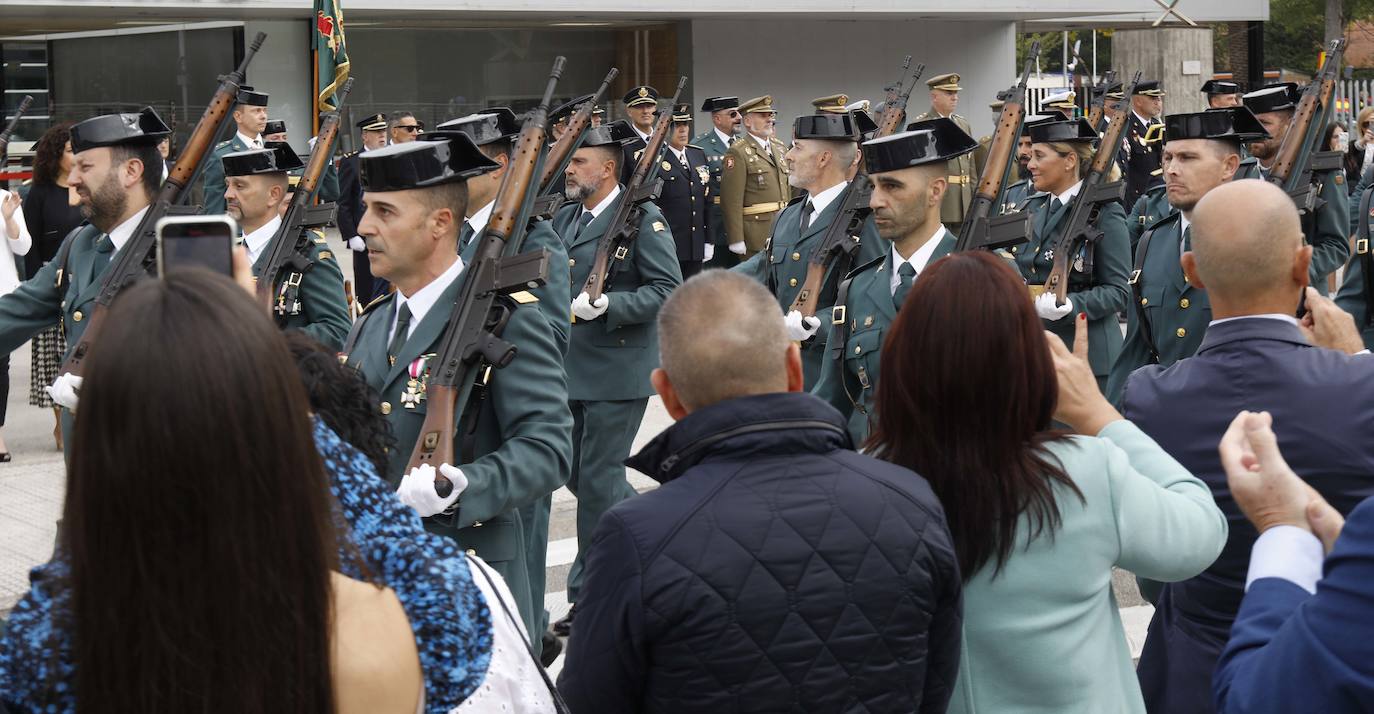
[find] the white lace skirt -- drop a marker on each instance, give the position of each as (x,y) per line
(513,684)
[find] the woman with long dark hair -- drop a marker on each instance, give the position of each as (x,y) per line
(51,215)
(1038,516)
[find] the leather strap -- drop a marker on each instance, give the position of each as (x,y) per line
(1146,328)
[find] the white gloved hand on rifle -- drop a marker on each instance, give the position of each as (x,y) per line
(801,327)
(417,489)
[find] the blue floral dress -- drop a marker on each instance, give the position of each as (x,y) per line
(453,629)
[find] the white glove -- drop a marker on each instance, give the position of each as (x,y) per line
(800,327)
(710,253)
(417,489)
(65,391)
(585,309)
(1047,310)
(357,244)
(737,248)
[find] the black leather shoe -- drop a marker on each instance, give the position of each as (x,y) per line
(551,647)
(563,625)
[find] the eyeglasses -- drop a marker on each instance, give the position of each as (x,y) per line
(412,128)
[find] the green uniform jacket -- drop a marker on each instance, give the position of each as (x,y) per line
(963,176)
(849,379)
(213,175)
(715,154)
(1014,196)
(749,176)
(522,448)
(782,269)
(327,191)
(1100,296)
(36,304)
(552,303)
(1150,207)
(610,358)
(1177,313)
(322,310)
(1330,242)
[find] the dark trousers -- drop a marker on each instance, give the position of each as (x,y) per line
(4,387)
(689,268)
(602,435)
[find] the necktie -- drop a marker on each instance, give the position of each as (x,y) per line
(398,340)
(105,247)
(582,223)
(907,273)
(466,235)
(1055,204)
(807,210)
(1187,239)
(682,158)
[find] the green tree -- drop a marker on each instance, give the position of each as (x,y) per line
(1052,50)
(1293,35)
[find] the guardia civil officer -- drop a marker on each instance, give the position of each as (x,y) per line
(1221,93)
(1168,315)
(614,341)
(518,451)
(309,295)
(715,141)
(1015,194)
(1274,106)
(963,173)
(1143,148)
(350,209)
(910,172)
(824,146)
(686,196)
(753,179)
(1061,153)
(250,119)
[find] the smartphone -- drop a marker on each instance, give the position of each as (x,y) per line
(196,241)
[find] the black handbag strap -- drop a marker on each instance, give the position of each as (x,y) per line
(558,704)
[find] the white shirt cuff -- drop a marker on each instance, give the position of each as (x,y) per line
(1361,352)
(1287,552)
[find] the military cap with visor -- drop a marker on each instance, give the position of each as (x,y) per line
(247,95)
(682,114)
(421,164)
(757,105)
(1273,98)
(1070,131)
(566,109)
(719,104)
(614,134)
(372,122)
(640,95)
(1115,90)
(484,127)
(947,82)
(1148,88)
(1230,123)
(923,142)
(274,157)
(1063,99)
(143,128)
(1216,87)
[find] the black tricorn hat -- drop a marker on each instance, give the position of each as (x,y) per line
(250,97)
(715,104)
(1034,119)
(1273,98)
(420,164)
(833,127)
(1115,90)
(613,134)
(145,127)
(484,127)
(274,126)
(865,122)
(923,142)
(566,109)
(1220,86)
(1236,123)
(1071,130)
(275,157)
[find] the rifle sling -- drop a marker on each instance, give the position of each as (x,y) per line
(1146,328)
(1366,258)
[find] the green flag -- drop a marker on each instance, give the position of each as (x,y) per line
(331,57)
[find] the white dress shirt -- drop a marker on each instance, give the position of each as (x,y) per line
(1184,225)
(1289,553)
(1267,316)
(1069,193)
(252,142)
(478,220)
(257,241)
(120,234)
(641,134)
(12,246)
(820,201)
(763,143)
(605,203)
(681,155)
(918,260)
(424,299)
(724,138)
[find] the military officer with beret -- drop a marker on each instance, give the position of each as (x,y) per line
(1144,150)
(1221,93)
(116,173)
(1169,315)
(614,341)
(963,174)
(824,147)
(1273,106)
(715,141)
(641,107)
(909,172)
(518,451)
(310,299)
(350,209)
(753,180)
(250,118)
(686,195)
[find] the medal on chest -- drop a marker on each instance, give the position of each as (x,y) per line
(417,382)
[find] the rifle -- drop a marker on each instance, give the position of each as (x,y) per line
(1082,225)
(472,342)
(624,225)
(1098,107)
(286,246)
(894,114)
(1293,163)
(841,239)
(560,153)
(5,135)
(981,229)
(134,259)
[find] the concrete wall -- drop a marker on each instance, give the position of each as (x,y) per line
(798,60)
(282,69)
(1163,54)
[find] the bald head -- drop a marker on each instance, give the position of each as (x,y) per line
(721,336)
(1248,248)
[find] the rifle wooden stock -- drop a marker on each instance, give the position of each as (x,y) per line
(562,150)
(131,262)
(840,239)
(1099,101)
(624,225)
(894,115)
(1298,140)
(472,344)
(5,135)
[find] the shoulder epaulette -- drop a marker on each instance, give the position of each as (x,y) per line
(351,154)
(865,266)
(372,305)
(698,148)
(1156,188)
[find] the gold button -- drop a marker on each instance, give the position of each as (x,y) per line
(796,256)
(1183,303)
(571,262)
(858,349)
(386,408)
(76,316)
(792,282)
(1181,332)
(1144,301)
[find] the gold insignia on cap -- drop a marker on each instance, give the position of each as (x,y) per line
(757,104)
(947,82)
(643,92)
(833,104)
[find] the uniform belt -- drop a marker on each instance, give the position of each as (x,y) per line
(960,179)
(764,208)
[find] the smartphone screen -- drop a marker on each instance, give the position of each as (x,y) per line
(199,241)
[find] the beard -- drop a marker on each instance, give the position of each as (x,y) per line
(577,191)
(104,206)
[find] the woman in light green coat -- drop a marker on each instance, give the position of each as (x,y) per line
(1039,517)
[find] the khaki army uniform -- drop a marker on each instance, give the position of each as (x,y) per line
(753,186)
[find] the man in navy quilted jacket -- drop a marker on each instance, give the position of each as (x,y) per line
(775,568)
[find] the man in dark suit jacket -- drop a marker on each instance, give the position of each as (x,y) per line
(1248,253)
(1144,153)
(1303,640)
(686,196)
(350,205)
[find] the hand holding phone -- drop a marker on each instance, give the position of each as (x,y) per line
(196,241)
